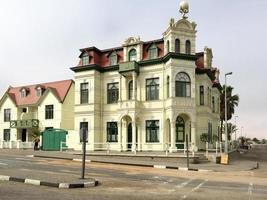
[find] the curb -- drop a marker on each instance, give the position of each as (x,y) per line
(92,183)
(130,164)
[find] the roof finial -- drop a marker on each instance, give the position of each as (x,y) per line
(184,9)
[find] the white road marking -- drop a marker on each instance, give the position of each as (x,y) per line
(250,188)
(183,184)
(199,186)
(194,189)
(3,164)
(24,159)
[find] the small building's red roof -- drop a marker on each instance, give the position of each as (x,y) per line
(58,88)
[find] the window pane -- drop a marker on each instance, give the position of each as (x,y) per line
(152,89)
(84,93)
(152,131)
(49,111)
(85,60)
(112,132)
(112,93)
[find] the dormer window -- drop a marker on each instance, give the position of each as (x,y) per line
(23,93)
(132,55)
(153,52)
(85,59)
(113,58)
(38,92)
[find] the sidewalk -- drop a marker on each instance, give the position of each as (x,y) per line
(131,159)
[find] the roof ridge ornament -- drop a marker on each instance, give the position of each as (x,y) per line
(184,9)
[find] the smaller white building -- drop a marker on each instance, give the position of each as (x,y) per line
(27,110)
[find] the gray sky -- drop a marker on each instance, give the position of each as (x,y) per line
(39,41)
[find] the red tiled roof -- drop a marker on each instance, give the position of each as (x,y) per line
(58,88)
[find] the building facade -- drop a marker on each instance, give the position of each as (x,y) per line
(27,110)
(147,96)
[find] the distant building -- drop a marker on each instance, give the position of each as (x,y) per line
(148,95)
(34,108)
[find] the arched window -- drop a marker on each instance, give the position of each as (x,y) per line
(168,46)
(113,58)
(177,46)
(130,90)
(180,129)
(132,55)
(168,86)
(153,52)
(188,47)
(182,85)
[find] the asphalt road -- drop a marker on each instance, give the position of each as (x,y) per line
(127,182)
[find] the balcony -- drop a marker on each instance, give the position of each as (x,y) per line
(28,123)
(128,67)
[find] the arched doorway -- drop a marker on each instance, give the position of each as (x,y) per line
(180,132)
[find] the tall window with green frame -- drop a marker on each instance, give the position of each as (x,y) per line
(182,85)
(112,93)
(180,129)
(153,52)
(152,131)
(130,90)
(84,93)
(7,115)
(112,132)
(152,89)
(49,112)
(201,95)
(6,135)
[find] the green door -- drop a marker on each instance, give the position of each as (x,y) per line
(52,138)
(180,132)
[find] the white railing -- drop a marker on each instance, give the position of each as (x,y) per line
(165,147)
(218,148)
(15,145)
(63,146)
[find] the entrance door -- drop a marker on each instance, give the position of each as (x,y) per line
(129,138)
(23,135)
(180,132)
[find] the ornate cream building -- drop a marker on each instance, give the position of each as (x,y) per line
(147,95)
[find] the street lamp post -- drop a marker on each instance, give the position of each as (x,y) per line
(225,111)
(235,126)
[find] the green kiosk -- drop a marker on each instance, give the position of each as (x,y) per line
(53,138)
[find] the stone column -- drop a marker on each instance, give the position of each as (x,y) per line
(173,137)
(133,136)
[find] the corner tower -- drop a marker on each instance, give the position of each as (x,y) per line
(180,36)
